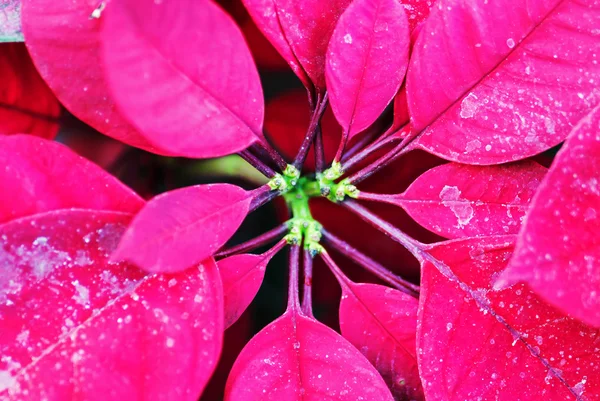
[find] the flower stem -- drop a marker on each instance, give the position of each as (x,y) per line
(370,265)
(257,163)
(307,290)
(261,196)
(265,149)
(381,162)
(254,243)
(374,147)
(413,246)
(319,151)
(294,264)
(312,131)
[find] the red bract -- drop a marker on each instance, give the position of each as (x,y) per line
(476,342)
(300,32)
(196,109)
(366,61)
(40,176)
(456,200)
(491,82)
(63,40)
(242,276)
(183,227)
(111,331)
(26,103)
(382,324)
(558,252)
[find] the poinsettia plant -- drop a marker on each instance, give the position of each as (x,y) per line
(105,295)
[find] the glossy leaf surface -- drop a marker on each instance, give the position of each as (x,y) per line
(64,44)
(558,251)
(476,342)
(366,61)
(456,200)
(10,21)
(75,326)
(300,31)
(180,228)
(40,176)
(491,82)
(242,276)
(382,323)
(27,106)
(183,75)
(295,358)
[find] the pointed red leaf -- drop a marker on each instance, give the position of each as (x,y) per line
(558,251)
(190,107)
(296,357)
(476,342)
(64,45)
(456,200)
(180,228)
(300,31)
(382,324)
(366,61)
(75,326)
(242,276)
(39,176)
(27,106)
(10,21)
(491,82)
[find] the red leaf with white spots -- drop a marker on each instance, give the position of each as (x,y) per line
(40,176)
(456,200)
(366,61)
(478,342)
(64,44)
(27,106)
(206,108)
(558,251)
(496,81)
(382,324)
(180,228)
(75,326)
(242,276)
(296,357)
(300,31)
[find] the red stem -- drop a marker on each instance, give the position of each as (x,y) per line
(370,265)
(257,163)
(375,146)
(264,148)
(413,246)
(261,196)
(378,164)
(254,243)
(319,151)
(311,132)
(294,264)
(307,291)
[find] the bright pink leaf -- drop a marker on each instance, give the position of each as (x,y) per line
(300,31)
(382,324)
(296,357)
(180,228)
(183,75)
(27,105)
(477,342)
(76,326)
(558,251)
(39,176)
(10,21)
(491,82)
(64,45)
(242,276)
(456,200)
(366,61)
